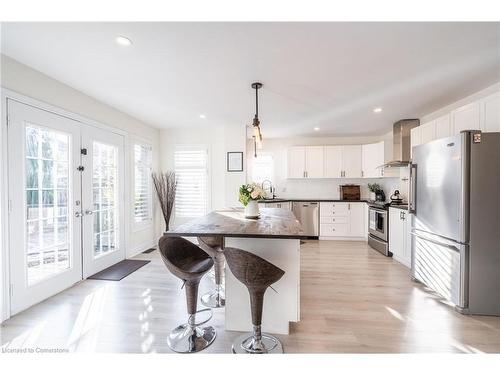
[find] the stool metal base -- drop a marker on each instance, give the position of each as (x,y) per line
(214,299)
(191,337)
(247,344)
(188,339)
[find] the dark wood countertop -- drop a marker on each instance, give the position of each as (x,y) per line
(231,222)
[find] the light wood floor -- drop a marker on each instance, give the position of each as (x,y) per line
(353,300)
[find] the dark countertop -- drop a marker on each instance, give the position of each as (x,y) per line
(231,222)
(279,200)
(399,206)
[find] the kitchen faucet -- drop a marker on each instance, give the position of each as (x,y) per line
(271,189)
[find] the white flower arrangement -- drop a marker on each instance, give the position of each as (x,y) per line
(250,192)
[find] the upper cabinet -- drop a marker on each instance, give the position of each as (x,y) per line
(428,132)
(483,114)
(351,161)
(343,161)
(305,162)
(333,162)
(490,113)
(314,161)
(296,162)
(443,127)
(372,158)
(415,138)
(466,118)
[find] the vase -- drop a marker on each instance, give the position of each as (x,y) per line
(372,196)
(252,210)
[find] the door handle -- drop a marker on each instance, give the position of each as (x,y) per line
(448,246)
(79,214)
(412,187)
(89,212)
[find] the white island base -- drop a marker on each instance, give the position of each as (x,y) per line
(280,308)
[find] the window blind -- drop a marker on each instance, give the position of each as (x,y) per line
(191,172)
(142,183)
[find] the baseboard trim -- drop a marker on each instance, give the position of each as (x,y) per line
(326,238)
(140,248)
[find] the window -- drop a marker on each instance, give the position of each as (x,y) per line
(142,184)
(191,172)
(263,168)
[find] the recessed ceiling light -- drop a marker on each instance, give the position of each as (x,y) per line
(203,116)
(316,128)
(123,41)
(377,110)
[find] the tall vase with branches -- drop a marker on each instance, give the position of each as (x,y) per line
(165,186)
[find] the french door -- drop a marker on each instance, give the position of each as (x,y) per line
(65,202)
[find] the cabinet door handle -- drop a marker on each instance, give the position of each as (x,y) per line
(348,206)
(362,173)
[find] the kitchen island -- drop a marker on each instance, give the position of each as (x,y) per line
(275,236)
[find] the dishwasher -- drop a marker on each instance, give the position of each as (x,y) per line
(307,213)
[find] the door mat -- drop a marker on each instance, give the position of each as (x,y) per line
(119,270)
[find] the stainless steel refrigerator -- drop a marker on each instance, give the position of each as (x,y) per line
(455,201)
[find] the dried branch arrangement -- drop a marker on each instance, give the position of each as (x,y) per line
(165,186)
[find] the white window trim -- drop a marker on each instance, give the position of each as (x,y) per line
(137,227)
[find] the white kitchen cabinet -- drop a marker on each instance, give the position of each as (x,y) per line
(333,162)
(399,235)
(443,127)
(305,162)
(372,157)
(415,138)
(428,132)
(342,220)
(351,161)
(314,161)
(296,162)
(490,113)
(466,118)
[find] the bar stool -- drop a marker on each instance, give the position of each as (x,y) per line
(257,275)
(213,246)
(189,263)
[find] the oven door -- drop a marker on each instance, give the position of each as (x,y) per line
(378,223)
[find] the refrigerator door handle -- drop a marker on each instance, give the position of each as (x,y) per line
(439,243)
(412,187)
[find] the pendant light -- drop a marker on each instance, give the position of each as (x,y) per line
(257,134)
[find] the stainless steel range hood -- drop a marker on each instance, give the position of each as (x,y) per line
(401,143)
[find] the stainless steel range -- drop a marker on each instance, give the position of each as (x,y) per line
(378,227)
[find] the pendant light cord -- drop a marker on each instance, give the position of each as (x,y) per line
(256,102)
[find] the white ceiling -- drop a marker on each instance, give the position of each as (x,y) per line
(329,75)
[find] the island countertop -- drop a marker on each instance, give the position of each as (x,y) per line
(231,222)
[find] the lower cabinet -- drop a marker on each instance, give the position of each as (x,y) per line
(343,220)
(400,235)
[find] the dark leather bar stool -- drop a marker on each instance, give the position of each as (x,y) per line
(189,263)
(257,275)
(213,246)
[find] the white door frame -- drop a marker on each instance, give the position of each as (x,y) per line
(5,307)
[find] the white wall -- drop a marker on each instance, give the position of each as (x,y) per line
(315,188)
(29,82)
(223,185)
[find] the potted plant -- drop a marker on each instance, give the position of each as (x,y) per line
(374,188)
(250,194)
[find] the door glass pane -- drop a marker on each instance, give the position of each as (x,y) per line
(105,196)
(47,190)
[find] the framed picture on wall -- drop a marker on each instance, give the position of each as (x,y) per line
(235,161)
